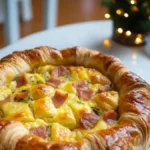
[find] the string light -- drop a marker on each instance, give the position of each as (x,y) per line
(107,16)
(128,33)
(118,11)
(107,43)
(120,30)
(134,8)
(132,2)
(126,15)
(139,35)
(138,40)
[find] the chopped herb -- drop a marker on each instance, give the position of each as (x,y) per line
(96,111)
(18,100)
(32,78)
(88,81)
(30,98)
(38,82)
(80,102)
(49,129)
(68,77)
(1,113)
(24,90)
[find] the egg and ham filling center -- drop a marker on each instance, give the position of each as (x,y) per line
(60,103)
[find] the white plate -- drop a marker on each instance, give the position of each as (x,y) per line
(90,35)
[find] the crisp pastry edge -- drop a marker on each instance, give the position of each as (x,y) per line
(134,108)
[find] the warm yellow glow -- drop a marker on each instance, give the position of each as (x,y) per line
(140,36)
(132,2)
(107,43)
(107,15)
(149,17)
(118,11)
(134,56)
(120,30)
(134,8)
(145,4)
(128,33)
(138,40)
(126,15)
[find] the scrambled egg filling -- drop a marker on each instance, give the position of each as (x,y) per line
(70,102)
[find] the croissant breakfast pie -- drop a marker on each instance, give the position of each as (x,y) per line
(73,99)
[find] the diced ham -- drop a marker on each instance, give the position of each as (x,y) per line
(80,85)
(83,90)
(54,82)
(59,98)
(88,120)
(86,93)
(60,71)
(42,131)
(20,96)
(6,100)
(110,116)
(104,88)
(21,80)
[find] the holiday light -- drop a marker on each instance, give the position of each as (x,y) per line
(129,27)
(126,15)
(128,33)
(134,8)
(132,2)
(138,40)
(118,11)
(107,43)
(107,16)
(140,35)
(120,30)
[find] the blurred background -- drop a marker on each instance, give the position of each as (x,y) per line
(32,13)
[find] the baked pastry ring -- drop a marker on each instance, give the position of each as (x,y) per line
(132,131)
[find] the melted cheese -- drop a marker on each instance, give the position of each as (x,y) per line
(68,87)
(107,100)
(46,68)
(61,133)
(66,117)
(38,109)
(34,78)
(4,92)
(41,91)
(17,111)
(44,108)
(35,124)
(79,109)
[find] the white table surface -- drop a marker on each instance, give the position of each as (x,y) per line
(90,35)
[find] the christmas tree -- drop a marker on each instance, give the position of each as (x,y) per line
(131,20)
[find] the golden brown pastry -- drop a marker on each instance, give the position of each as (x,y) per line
(73,99)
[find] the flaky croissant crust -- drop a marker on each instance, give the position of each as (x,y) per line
(133,128)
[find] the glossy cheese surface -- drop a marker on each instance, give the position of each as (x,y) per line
(66,103)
